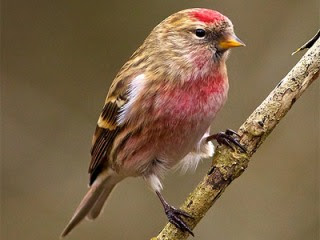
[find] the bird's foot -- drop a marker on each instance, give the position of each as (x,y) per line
(174,217)
(227,138)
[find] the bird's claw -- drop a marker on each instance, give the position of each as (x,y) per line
(228,138)
(174,217)
(231,132)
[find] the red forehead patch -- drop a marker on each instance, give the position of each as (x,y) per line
(207,16)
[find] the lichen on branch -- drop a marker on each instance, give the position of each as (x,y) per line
(227,164)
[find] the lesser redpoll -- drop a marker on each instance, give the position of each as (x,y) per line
(159,108)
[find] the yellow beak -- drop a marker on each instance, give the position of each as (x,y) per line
(231,42)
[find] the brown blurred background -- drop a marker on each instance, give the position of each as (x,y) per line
(58,60)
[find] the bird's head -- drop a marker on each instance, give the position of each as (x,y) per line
(193,37)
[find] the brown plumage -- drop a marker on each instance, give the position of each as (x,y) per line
(159,107)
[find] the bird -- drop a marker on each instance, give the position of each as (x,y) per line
(159,108)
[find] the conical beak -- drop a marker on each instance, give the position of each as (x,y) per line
(231,42)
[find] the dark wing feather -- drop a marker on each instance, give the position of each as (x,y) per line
(107,127)
(106,131)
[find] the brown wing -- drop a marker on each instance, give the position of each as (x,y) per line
(106,131)
(107,128)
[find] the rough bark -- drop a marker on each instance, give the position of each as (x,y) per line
(227,165)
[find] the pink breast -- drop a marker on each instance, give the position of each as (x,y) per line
(178,119)
(196,98)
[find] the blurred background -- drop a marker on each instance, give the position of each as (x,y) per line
(58,60)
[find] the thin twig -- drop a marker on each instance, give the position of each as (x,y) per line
(228,165)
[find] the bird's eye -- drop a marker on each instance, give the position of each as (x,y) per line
(200,33)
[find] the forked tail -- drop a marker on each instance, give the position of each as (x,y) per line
(92,203)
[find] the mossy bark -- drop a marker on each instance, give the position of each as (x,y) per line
(227,165)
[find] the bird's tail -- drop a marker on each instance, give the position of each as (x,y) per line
(92,203)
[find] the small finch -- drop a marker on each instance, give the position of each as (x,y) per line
(159,108)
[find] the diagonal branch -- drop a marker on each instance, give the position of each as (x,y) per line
(228,165)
